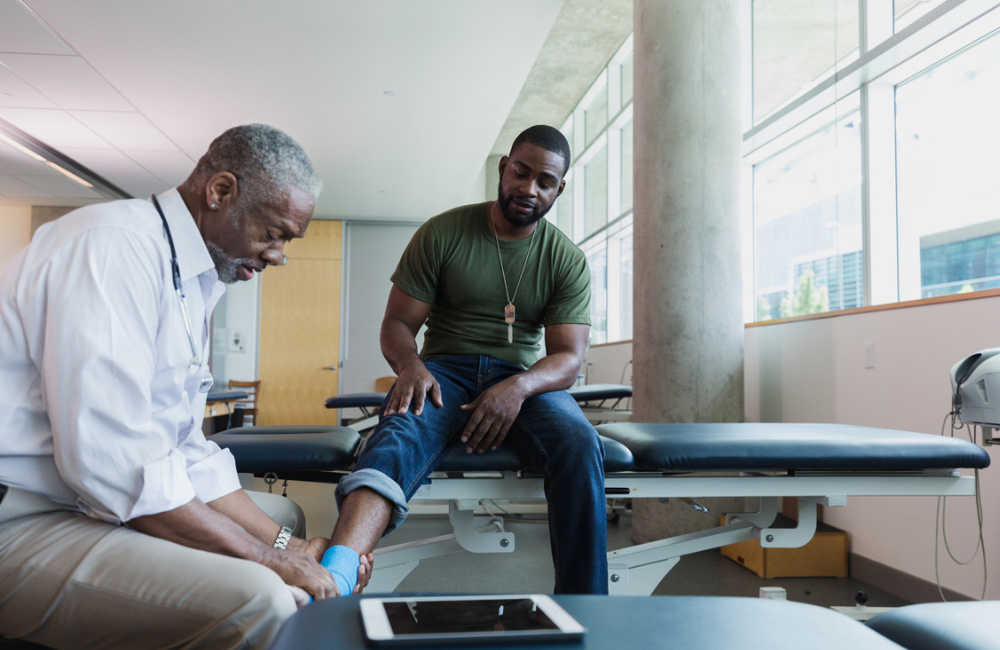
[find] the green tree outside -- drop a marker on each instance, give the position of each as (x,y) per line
(807,299)
(763,309)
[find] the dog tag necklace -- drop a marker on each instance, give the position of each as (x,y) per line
(508,310)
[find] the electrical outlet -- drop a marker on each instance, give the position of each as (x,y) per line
(237,341)
(869,354)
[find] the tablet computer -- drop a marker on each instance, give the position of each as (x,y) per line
(474,620)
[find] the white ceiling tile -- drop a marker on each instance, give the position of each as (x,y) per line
(14,92)
(320,75)
(13,161)
(130,131)
(59,186)
(11,187)
(23,32)
(142,188)
(172,167)
(119,169)
(66,80)
(58,129)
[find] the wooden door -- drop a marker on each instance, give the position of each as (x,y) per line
(300,330)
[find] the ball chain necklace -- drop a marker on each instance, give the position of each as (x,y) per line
(508,310)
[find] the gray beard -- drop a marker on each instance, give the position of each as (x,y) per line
(225,266)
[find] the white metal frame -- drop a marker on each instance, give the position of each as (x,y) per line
(885,60)
(639,569)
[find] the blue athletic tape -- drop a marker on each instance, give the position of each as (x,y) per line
(343,563)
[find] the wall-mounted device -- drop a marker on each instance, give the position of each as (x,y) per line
(975,390)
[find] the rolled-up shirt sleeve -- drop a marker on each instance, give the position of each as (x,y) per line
(212,471)
(115,443)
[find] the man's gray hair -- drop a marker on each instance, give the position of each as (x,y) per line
(264,159)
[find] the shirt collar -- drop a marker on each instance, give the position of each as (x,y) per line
(192,254)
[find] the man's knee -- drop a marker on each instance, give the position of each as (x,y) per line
(262,603)
(282,510)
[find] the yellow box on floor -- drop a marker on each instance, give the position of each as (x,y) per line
(825,556)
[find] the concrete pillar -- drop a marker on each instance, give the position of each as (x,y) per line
(688,317)
(492,176)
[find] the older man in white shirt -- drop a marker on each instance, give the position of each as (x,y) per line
(112,494)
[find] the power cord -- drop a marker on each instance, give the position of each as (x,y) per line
(628,402)
(940,524)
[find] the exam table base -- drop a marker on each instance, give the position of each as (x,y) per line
(637,570)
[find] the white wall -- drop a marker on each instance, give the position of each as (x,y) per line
(609,364)
(15,232)
(813,371)
(371,251)
(236,331)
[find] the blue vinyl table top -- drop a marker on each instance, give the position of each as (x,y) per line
(780,446)
(632,623)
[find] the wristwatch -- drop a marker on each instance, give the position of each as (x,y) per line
(283,536)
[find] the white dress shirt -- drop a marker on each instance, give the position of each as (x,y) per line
(99,404)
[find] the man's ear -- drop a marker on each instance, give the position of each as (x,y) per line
(221,190)
(562,186)
(503,164)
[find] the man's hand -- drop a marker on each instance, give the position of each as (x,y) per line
(493,413)
(314,547)
(300,569)
(414,385)
(318,545)
(364,572)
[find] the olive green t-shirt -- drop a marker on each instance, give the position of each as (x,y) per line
(452,263)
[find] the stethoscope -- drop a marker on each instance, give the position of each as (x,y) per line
(179,289)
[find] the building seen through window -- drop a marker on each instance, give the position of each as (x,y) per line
(870,160)
(947,139)
(873,154)
(807,225)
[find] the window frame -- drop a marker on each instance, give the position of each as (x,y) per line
(886,60)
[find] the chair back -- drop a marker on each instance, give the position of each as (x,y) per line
(249,405)
(384,384)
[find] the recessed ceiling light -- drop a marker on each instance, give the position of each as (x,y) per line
(382,192)
(390,93)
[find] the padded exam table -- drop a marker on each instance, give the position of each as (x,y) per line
(603,402)
(633,623)
(599,402)
(817,463)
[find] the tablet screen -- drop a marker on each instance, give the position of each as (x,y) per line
(436,617)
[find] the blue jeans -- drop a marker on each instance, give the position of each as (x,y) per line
(550,434)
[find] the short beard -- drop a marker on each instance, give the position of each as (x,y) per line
(514,218)
(227,266)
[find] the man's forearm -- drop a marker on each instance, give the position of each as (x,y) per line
(240,508)
(552,372)
(196,525)
(399,345)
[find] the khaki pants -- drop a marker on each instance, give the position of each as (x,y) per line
(69,581)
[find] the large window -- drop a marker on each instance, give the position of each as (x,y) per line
(947,143)
(871,152)
(595,209)
(870,159)
(797,44)
(807,224)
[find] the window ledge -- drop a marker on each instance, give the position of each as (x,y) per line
(974,295)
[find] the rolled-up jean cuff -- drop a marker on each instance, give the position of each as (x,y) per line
(380,483)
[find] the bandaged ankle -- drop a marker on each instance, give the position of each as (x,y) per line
(343,563)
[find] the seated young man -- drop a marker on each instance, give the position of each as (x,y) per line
(486,279)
